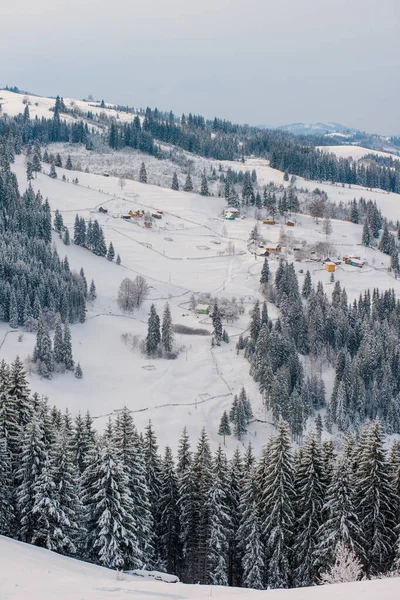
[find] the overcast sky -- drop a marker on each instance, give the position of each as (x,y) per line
(250,61)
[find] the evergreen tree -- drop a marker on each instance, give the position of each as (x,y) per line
(217,323)
(204,191)
(277,498)
(111,538)
(53,172)
(78,371)
(118,261)
(188,187)
(307,286)
(167,336)
(33,457)
(20,393)
(224,427)
(66,238)
(13,310)
(143,174)
(169,515)
(68,164)
(175,182)
(366,236)
(219,522)
(111,252)
(92,291)
(6,489)
(310,498)
(153,332)
(264,279)
(58,344)
(153,479)
(249,535)
(68,360)
(374,499)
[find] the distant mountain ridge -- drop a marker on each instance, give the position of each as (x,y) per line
(317,128)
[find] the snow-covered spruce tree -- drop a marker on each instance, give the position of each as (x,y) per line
(6,489)
(202,481)
(175,182)
(68,164)
(167,336)
(58,344)
(66,479)
(84,282)
(33,457)
(342,526)
(187,506)
(130,450)
(20,392)
(224,427)
(153,480)
(309,485)
(307,285)
(53,172)
(255,322)
(78,371)
(277,498)
(111,531)
(249,535)
(153,332)
(204,191)
(68,360)
(219,521)
(375,501)
(264,278)
(118,259)
(217,323)
(188,187)
(43,351)
(82,442)
(143,174)
(92,291)
(111,252)
(66,237)
(235,474)
(10,429)
(366,235)
(170,550)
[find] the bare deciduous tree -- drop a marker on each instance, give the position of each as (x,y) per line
(347,567)
(317,208)
(131,294)
(122,183)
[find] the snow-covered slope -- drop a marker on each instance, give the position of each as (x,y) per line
(39,106)
(180,255)
(355,152)
(38,574)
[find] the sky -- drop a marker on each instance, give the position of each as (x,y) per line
(267,62)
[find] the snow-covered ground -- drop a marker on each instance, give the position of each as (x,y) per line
(38,574)
(39,106)
(353,151)
(185,252)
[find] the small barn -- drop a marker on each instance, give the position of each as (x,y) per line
(103,210)
(269,222)
(229,216)
(273,248)
(290,223)
(330,267)
(202,309)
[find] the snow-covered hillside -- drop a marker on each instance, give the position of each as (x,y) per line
(13,104)
(184,253)
(354,151)
(38,574)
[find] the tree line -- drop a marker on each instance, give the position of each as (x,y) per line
(112,499)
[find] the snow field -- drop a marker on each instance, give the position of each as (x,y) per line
(38,574)
(196,388)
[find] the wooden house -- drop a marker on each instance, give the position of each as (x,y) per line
(330,267)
